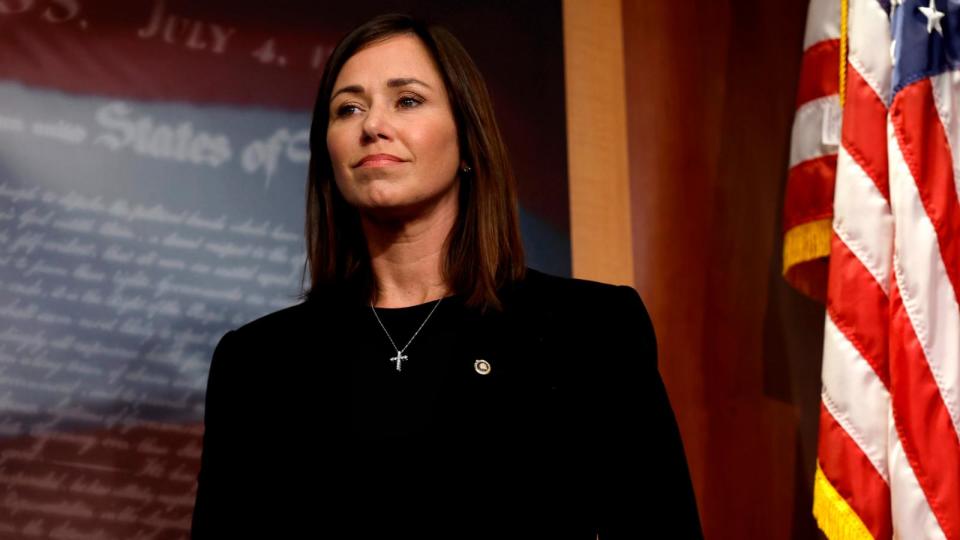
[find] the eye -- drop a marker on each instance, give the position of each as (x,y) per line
(344,110)
(409,99)
(405,102)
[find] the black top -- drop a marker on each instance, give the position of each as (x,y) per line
(391,404)
(546,420)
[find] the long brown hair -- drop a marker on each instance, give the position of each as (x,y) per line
(484,250)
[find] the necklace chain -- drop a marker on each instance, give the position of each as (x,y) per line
(400,357)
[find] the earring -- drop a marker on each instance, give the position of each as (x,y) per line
(466,169)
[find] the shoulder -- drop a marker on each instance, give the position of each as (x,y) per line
(268,332)
(257,357)
(278,322)
(607,313)
(576,294)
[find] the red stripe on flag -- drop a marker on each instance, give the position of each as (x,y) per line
(854,476)
(861,312)
(810,191)
(819,71)
(926,431)
(927,152)
(864,131)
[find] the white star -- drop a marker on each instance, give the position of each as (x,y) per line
(933,18)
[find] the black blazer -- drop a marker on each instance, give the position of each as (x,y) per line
(570,434)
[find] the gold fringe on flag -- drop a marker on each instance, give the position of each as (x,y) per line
(834,516)
(805,249)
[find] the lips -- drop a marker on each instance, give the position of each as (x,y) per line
(377,160)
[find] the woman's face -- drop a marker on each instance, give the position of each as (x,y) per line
(395,103)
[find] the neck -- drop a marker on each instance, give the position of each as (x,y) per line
(407,260)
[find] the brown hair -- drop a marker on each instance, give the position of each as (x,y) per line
(484,250)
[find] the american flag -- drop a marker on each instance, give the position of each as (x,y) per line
(808,209)
(889,452)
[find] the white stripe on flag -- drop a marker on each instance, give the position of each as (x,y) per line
(862,219)
(823,22)
(855,396)
(910,512)
(807,139)
(869,45)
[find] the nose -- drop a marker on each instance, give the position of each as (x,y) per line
(376,124)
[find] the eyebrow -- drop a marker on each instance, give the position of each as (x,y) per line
(392,83)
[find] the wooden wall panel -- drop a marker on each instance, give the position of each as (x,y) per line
(709,89)
(599,183)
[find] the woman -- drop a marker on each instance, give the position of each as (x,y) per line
(431,385)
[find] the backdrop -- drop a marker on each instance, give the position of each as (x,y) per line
(152,171)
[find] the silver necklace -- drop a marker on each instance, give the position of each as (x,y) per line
(400,357)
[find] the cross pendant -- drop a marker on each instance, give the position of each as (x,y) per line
(398,358)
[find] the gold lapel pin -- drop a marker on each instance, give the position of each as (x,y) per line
(482,366)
